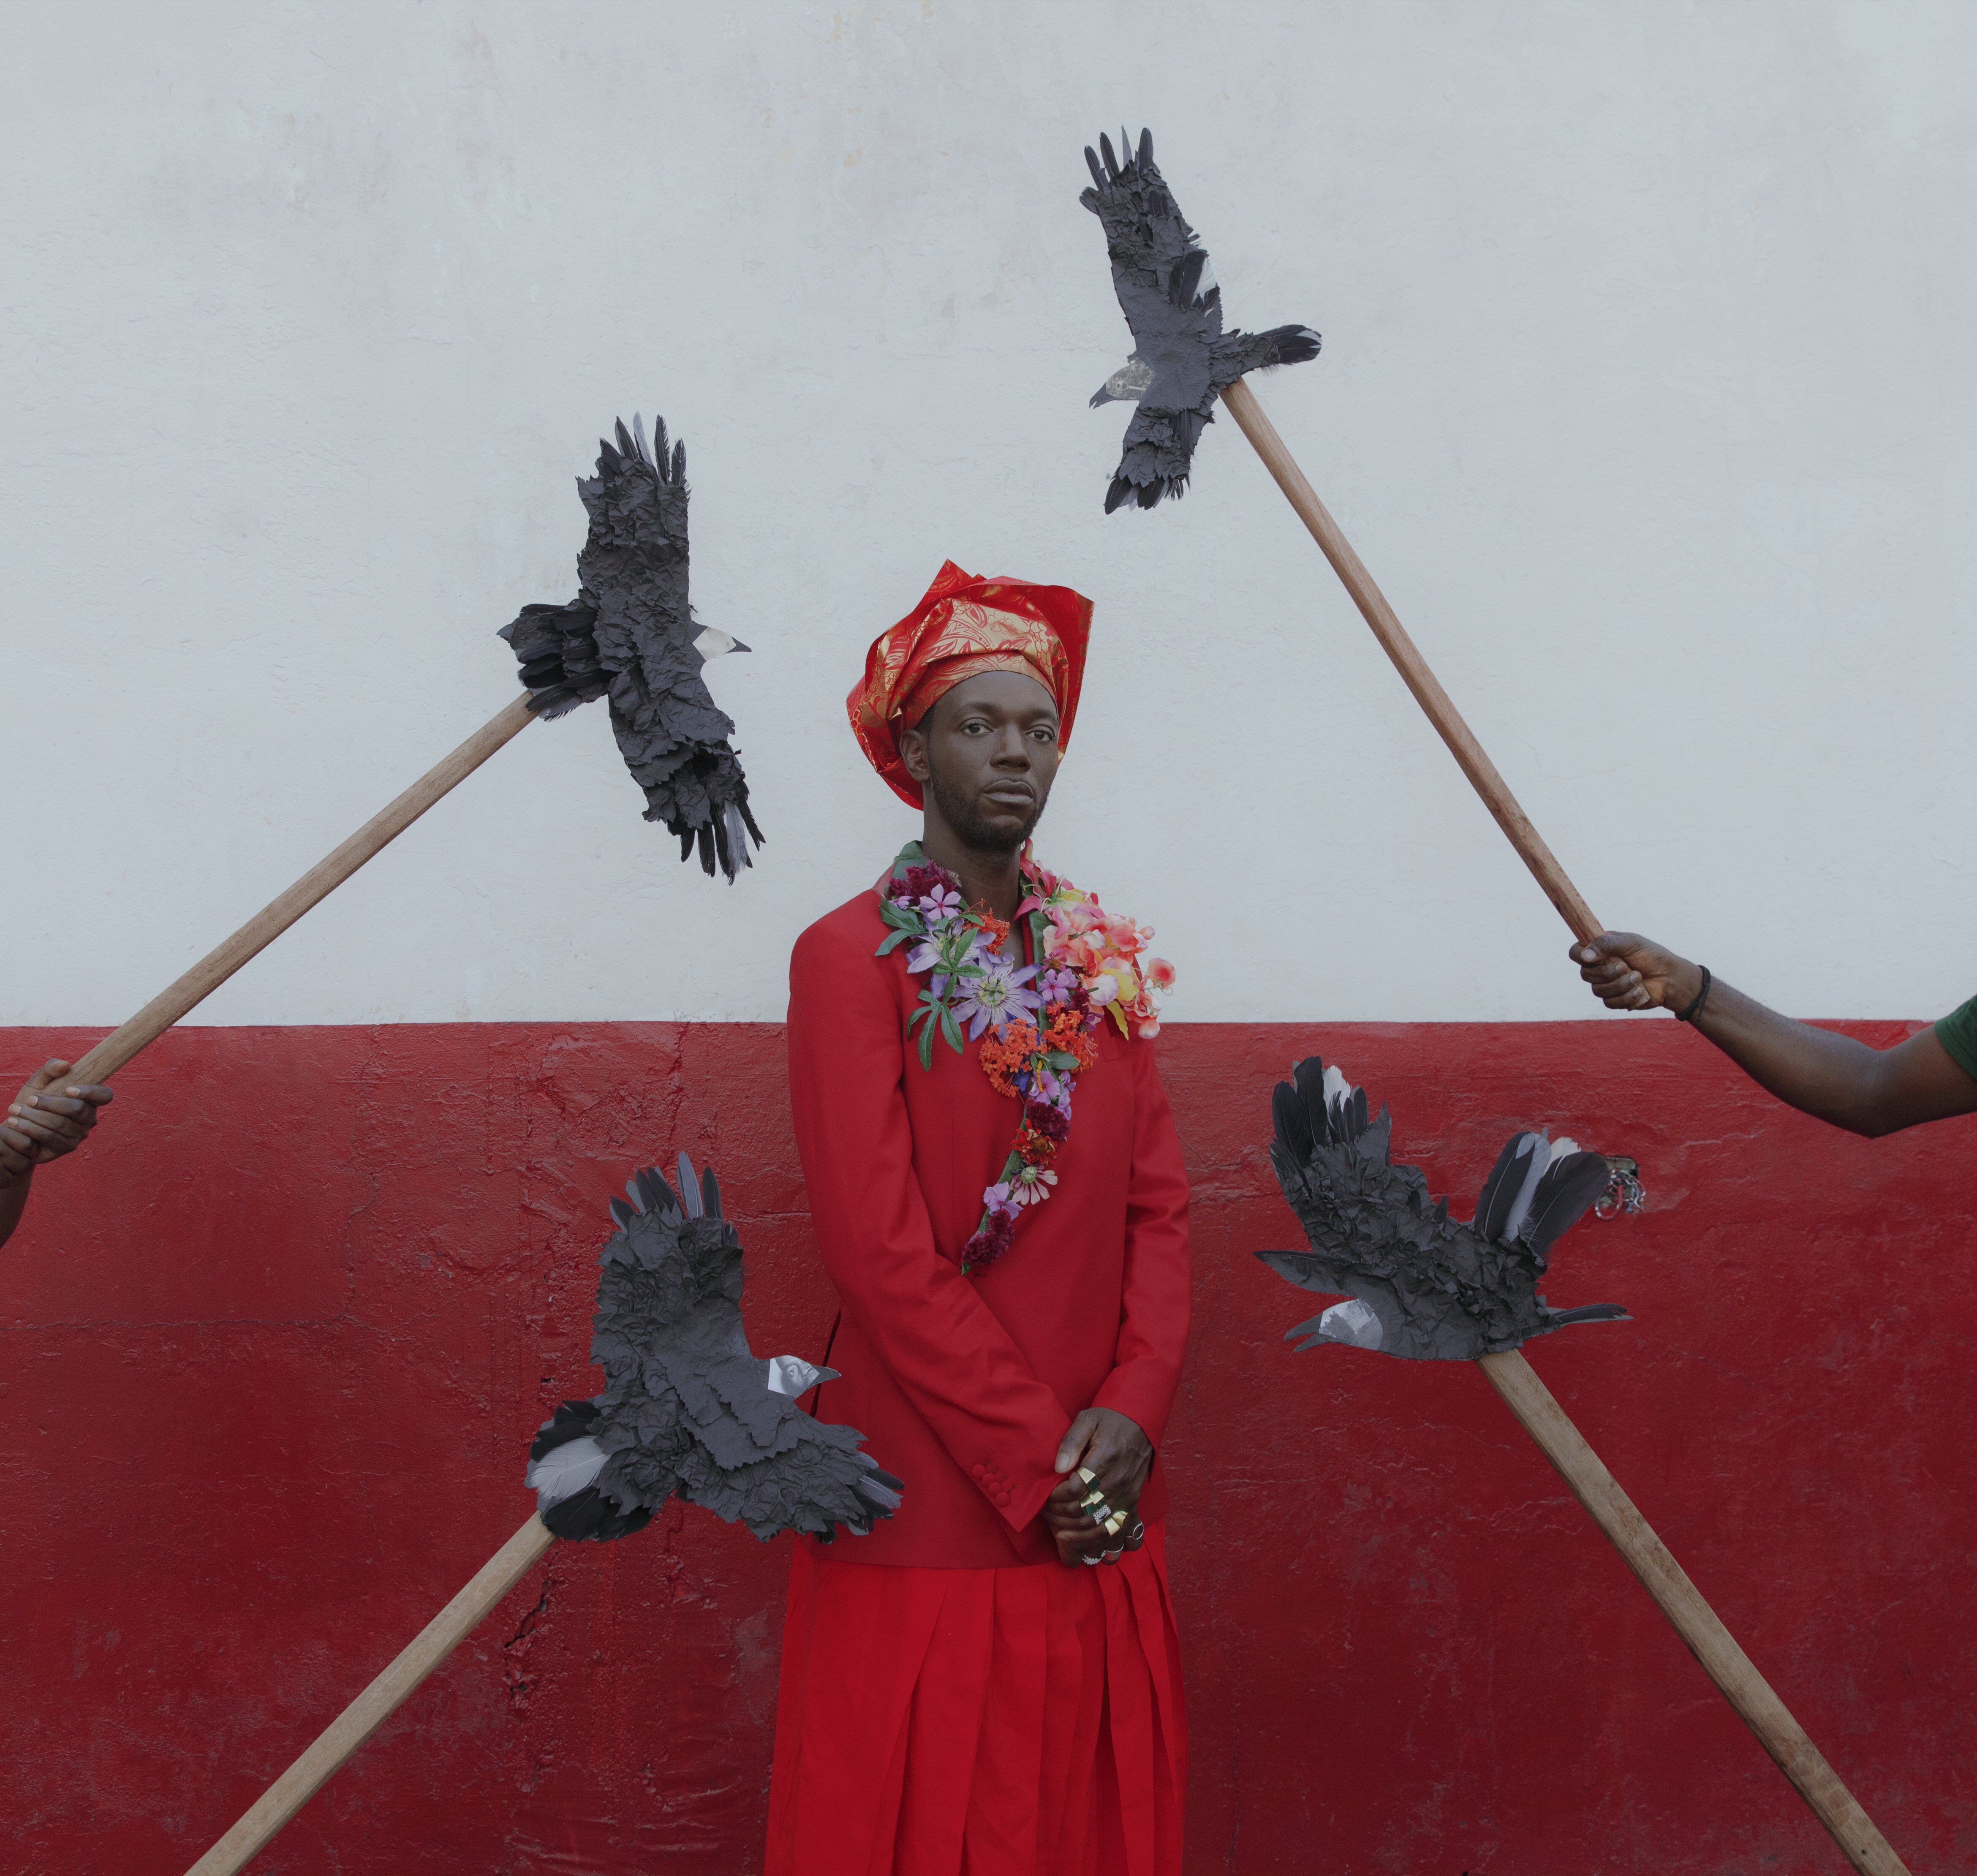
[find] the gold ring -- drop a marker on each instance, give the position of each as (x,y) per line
(1100,1512)
(1115,1524)
(1086,1473)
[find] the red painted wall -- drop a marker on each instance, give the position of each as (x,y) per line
(274,1344)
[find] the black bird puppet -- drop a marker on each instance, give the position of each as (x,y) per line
(1422,1285)
(687,1408)
(1427,1287)
(630,634)
(686,1411)
(1182,360)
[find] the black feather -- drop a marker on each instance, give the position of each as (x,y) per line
(629,635)
(1294,1122)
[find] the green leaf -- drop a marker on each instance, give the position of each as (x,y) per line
(927,1047)
(1061,1059)
(950,1028)
(898,937)
(903,917)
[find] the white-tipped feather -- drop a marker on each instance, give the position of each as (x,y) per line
(564,1471)
(1337,1092)
(1531,1149)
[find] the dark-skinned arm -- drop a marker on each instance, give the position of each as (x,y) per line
(45,1120)
(1833,1077)
(1115,1437)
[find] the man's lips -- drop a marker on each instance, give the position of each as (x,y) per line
(1010,794)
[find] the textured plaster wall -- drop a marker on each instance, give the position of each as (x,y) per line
(1647,393)
(270,1369)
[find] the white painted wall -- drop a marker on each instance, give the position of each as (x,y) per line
(1648,393)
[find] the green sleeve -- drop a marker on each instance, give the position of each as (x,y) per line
(1958,1033)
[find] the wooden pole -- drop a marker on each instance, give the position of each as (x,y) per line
(205,977)
(1702,1634)
(371,1707)
(1242,404)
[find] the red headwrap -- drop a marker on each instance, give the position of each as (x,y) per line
(963,627)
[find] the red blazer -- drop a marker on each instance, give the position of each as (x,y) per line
(963,1386)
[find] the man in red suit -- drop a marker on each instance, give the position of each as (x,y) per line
(990,1682)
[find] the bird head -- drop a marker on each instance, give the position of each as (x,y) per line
(712,644)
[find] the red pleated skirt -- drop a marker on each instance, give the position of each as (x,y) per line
(1021,1722)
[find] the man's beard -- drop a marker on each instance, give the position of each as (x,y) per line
(965,818)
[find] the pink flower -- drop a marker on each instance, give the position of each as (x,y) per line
(1148,1031)
(1160,974)
(1033,1185)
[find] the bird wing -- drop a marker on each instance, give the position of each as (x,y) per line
(1147,236)
(634,570)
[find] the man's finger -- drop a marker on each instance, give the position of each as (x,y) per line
(38,1125)
(1071,1448)
(47,1103)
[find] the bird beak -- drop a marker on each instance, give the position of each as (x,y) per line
(711,644)
(1127,385)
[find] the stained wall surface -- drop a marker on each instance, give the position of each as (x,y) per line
(273,1366)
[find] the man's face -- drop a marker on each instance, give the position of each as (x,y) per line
(985,755)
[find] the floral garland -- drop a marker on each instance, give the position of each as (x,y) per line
(1042,1015)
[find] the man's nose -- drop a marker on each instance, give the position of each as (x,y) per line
(1012,750)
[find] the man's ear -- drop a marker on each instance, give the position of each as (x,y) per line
(912,753)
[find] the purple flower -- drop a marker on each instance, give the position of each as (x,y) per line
(942,903)
(1050,1090)
(999,995)
(1057,985)
(1001,1200)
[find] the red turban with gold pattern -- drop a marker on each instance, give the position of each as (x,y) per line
(963,627)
